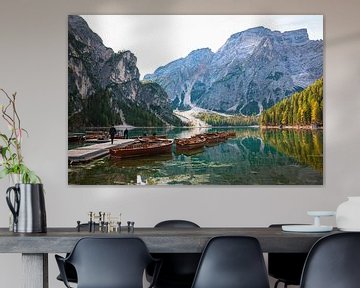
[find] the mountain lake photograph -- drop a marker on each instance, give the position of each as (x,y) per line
(195,100)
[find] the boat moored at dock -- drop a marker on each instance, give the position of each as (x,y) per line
(142,148)
(191,143)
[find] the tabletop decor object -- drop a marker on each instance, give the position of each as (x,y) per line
(26,197)
(315,227)
(348,214)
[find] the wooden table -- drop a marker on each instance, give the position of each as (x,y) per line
(35,247)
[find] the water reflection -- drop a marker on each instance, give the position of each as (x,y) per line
(304,145)
(253,157)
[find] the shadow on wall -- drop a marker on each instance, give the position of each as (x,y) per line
(345,39)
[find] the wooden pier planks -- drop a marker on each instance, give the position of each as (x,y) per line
(88,153)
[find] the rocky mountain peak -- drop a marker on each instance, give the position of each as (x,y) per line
(105,88)
(252,32)
(78,27)
(253,70)
(299,36)
(200,52)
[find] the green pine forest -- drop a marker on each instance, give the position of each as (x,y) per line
(300,109)
(303,108)
(101,110)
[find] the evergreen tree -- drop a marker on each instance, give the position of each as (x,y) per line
(315,113)
(301,108)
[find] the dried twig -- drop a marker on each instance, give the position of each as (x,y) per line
(12,159)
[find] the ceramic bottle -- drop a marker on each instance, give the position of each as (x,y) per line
(348,214)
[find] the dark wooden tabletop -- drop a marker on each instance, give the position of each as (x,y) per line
(158,240)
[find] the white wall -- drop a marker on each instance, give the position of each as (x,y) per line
(33,62)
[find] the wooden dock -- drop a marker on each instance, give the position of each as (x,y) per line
(92,152)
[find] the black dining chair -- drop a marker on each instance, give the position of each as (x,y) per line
(108,263)
(178,269)
(333,262)
(232,262)
(70,271)
(285,267)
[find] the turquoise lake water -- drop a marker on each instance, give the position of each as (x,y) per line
(253,157)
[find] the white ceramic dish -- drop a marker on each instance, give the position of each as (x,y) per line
(306,228)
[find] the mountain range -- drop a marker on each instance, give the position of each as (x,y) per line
(104,86)
(252,71)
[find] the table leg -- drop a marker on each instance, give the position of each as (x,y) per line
(35,270)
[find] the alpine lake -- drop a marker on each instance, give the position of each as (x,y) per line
(254,157)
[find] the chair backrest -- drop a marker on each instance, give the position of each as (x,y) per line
(176,224)
(110,262)
(333,262)
(232,262)
(178,269)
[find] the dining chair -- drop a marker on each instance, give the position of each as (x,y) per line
(108,263)
(69,269)
(285,267)
(333,262)
(232,262)
(178,269)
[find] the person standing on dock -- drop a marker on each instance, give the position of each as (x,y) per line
(112,133)
(126,134)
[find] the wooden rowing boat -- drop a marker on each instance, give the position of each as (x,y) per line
(190,143)
(213,138)
(139,149)
(99,135)
(231,134)
(76,137)
(149,139)
(190,152)
(152,137)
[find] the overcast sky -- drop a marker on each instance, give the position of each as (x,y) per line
(159,39)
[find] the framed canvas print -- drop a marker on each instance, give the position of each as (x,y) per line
(195,99)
